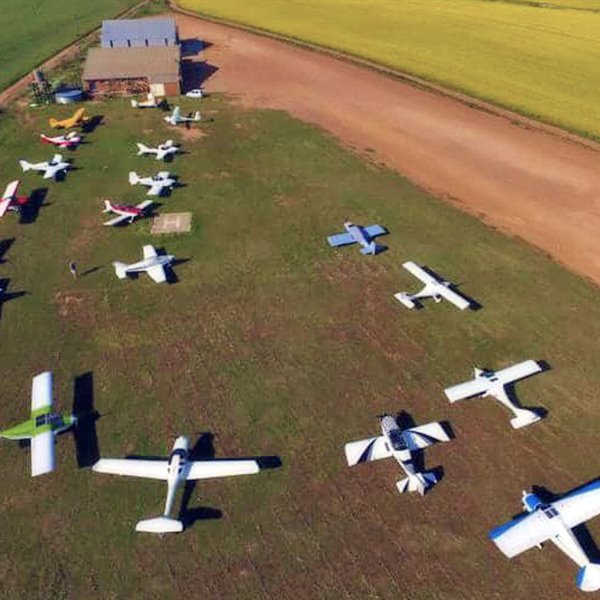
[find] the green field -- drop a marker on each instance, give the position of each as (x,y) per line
(33,30)
(279,345)
(539,61)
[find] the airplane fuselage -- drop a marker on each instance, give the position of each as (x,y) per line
(176,471)
(397,444)
(148,263)
(39,424)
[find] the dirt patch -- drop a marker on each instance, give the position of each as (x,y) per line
(75,306)
(524,180)
(191,134)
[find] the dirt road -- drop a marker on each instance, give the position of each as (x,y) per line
(528,182)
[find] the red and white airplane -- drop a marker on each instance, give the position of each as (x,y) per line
(10,200)
(62,141)
(125,212)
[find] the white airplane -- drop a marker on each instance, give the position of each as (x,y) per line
(10,201)
(493,383)
(157,184)
(42,426)
(434,288)
(150,102)
(169,148)
(70,140)
(175,470)
(50,168)
(355,234)
(553,521)
(153,264)
(125,212)
(175,117)
(400,444)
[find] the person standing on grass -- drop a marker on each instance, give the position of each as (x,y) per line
(73,269)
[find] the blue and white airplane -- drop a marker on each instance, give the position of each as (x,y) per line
(355,234)
(553,521)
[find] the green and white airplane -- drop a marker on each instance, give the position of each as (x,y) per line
(42,426)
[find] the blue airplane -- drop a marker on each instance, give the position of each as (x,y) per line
(355,234)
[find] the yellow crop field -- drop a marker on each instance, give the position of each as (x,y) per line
(539,60)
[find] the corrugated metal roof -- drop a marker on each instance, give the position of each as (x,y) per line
(137,31)
(157,63)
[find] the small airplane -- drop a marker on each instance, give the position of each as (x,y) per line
(41,427)
(175,117)
(125,212)
(434,288)
(554,521)
(10,201)
(78,118)
(157,184)
(153,264)
(50,168)
(493,383)
(175,470)
(399,443)
(355,234)
(150,102)
(169,148)
(71,140)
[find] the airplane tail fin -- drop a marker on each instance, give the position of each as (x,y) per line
(160,525)
(524,418)
(54,123)
(197,116)
(405,299)
(588,578)
(419,482)
(134,103)
(120,270)
(142,148)
(26,166)
(107,206)
(133,178)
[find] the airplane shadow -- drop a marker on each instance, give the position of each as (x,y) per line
(203,449)
(5,247)
(30,211)
(85,435)
(406,421)
(90,125)
(7,296)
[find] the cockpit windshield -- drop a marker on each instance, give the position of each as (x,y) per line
(397,440)
(49,419)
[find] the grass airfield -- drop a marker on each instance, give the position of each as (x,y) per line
(278,345)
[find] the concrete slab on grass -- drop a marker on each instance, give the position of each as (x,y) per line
(172,223)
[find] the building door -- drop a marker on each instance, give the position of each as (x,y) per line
(158,89)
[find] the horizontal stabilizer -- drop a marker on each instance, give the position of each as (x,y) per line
(524,418)
(420,482)
(120,269)
(405,299)
(160,525)
(588,578)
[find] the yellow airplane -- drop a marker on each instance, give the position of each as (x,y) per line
(77,118)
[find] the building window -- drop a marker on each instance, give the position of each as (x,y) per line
(129,43)
(147,42)
(111,43)
(166,41)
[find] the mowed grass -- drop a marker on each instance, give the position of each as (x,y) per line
(33,30)
(539,61)
(279,345)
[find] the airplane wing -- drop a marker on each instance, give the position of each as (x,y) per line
(134,467)
(340,239)
(518,371)
(375,230)
(157,274)
(156,188)
(453,297)
(149,251)
(116,220)
(207,469)
(4,204)
(57,158)
(370,449)
(42,453)
(11,189)
(475,387)
(579,506)
(144,205)
(41,391)
(418,272)
(176,114)
(423,436)
(522,533)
